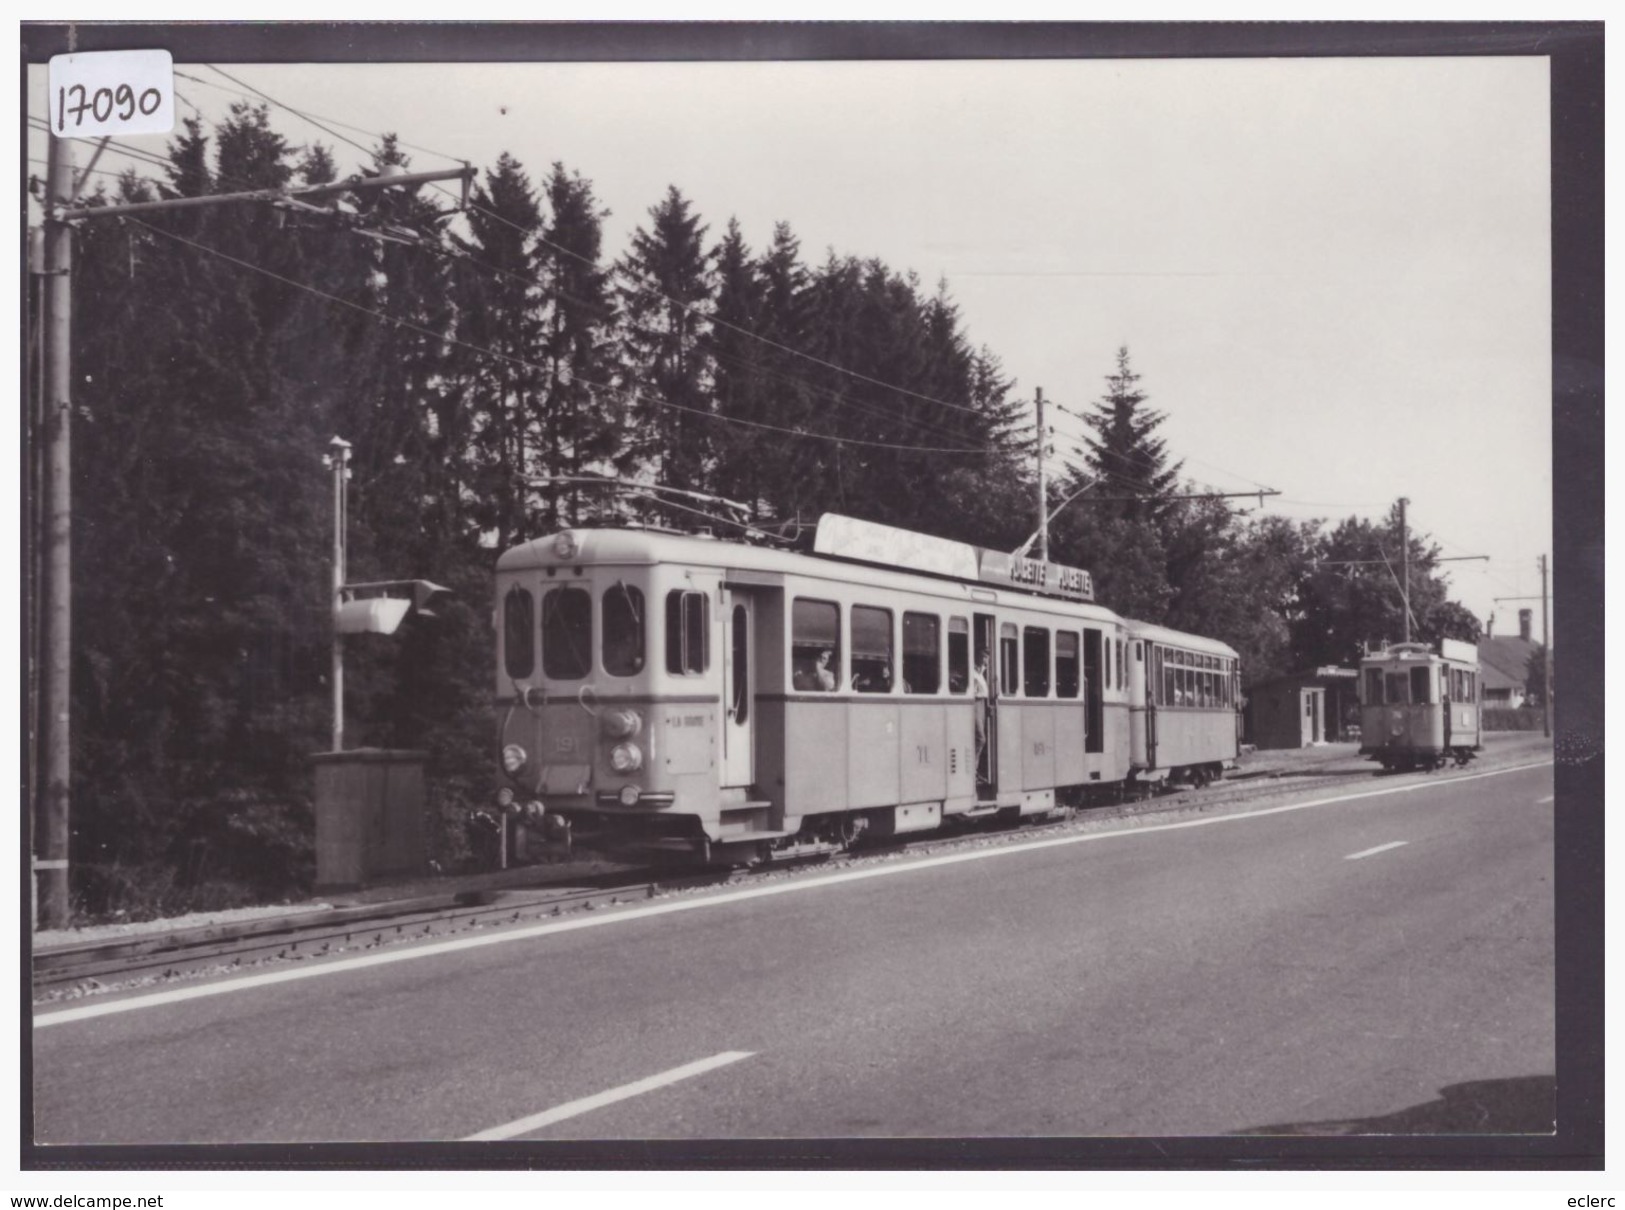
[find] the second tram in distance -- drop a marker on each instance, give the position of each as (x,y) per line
(1419,709)
(735,703)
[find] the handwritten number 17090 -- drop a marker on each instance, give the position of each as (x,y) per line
(103,102)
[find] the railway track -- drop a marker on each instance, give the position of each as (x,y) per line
(70,972)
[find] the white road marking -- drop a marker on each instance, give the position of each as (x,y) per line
(103,1008)
(637,1088)
(1541,802)
(1382,848)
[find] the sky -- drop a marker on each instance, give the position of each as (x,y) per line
(1333,275)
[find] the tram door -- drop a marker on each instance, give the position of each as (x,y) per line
(739,691)
(986,691)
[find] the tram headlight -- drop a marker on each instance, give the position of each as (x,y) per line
(514,758)
(626,758)
(565,545)
(622,724)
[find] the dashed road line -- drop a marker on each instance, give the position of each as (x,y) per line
(102,1008)
(1541,802)
(637,1088)
(1382,848)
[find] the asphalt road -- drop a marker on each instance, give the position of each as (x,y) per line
(1383,962)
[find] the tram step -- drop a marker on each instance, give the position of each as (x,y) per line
(745,818)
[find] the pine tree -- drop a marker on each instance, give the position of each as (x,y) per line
(665,301)
(1123,452)
(581,428)
(500,335)
(739,377)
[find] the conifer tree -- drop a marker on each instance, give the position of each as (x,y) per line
(1123,449)
(666,291)
(500,335)
(739,377)
(581,418)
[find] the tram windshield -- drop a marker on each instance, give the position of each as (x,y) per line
(1398,689)
(623,630)
(567,633)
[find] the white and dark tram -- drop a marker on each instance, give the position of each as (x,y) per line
(668,693)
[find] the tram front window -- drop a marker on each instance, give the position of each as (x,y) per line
(623,630)
(567,633)
(1398,689)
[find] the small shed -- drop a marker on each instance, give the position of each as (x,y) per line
(1302,709)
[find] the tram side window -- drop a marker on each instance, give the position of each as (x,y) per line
(1421,685)
(871,649)
(518,632)
(567,633)
(687,635)
(1066,663)
(958,655)
(623,630)
(1009,660)
(1035,665)
(922,653)
(815,645)
(1122,663)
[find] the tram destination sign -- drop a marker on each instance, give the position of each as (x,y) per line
(871,542)
(1036,575)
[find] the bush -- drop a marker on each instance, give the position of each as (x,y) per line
(1504,718)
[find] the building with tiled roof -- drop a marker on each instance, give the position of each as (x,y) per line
(1504,664)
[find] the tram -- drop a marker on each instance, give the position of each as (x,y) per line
(1420,708)
(733,703)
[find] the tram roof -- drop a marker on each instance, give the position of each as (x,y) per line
(1179,638)
(646,547)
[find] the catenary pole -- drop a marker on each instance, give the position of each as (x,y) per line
(1405,557)
(339,460)
(50,849)
(1043,491)
(1546,649)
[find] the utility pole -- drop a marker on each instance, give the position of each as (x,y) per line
(1043,490)
(1405,562)
(339,461)
(50,847)
(51,810)
(1546,649)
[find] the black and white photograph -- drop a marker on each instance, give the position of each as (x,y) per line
(829,596)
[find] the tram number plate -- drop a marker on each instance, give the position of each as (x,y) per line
(1040,748)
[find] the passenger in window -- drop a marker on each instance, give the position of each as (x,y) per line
(823,674)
